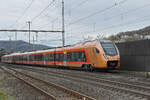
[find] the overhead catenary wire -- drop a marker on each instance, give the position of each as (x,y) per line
(23,26)
(128,23)
(137,20)
(76,6)
(108,17)
(24,12)
(79,4)
(35,17)
(97,12)
(127,12)
(46,15)
(118,15)
(42,26)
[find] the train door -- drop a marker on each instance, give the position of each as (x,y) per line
(44,59)
(28,60)
(93,55)
(65,58)
(55,56)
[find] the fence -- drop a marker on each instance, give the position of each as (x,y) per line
(135,55)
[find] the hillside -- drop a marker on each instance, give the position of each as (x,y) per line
(131,35)
(20,46)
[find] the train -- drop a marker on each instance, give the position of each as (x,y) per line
(89,55)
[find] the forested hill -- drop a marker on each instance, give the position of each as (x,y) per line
(20,46)
(131,35)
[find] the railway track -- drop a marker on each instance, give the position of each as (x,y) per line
(50,90)
(94,76)
(134,90)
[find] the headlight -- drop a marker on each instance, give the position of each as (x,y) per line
(104,56)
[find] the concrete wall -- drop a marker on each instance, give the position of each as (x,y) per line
(135,55)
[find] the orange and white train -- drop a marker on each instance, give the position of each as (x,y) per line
(100,54)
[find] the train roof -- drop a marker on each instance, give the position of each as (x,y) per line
(75,46)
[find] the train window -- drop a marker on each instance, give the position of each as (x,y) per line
(76,56)
(83,56)
(36,57)
(61,57)
(56,57)
(32,57)
(22,58)
(25,58)
(46,57)
(73,56)
(51,57)
(40,57)
(19,58)
(97,51)
(68,56)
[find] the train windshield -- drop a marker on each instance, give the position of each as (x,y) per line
(109,48)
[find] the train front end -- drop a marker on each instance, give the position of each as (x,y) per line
(111,54)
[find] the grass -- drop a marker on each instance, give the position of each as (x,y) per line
(3,96)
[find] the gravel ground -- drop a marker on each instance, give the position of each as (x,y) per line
(16,89)
(137,78)
(97,92)
(90,90)
(126,76)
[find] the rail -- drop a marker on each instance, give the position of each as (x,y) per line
(66,90)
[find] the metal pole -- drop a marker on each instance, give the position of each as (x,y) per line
(10,37)
(63,25)
(16,35)
(36,36)
(29,22)
(33,43)
(16,39)
(10,43)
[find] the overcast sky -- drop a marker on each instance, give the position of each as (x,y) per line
(83,18)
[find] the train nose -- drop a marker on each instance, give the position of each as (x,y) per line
(112,63)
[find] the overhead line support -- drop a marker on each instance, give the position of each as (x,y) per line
(14,30)
(63,25)
(29,22)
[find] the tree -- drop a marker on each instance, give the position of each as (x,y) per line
(2,52)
